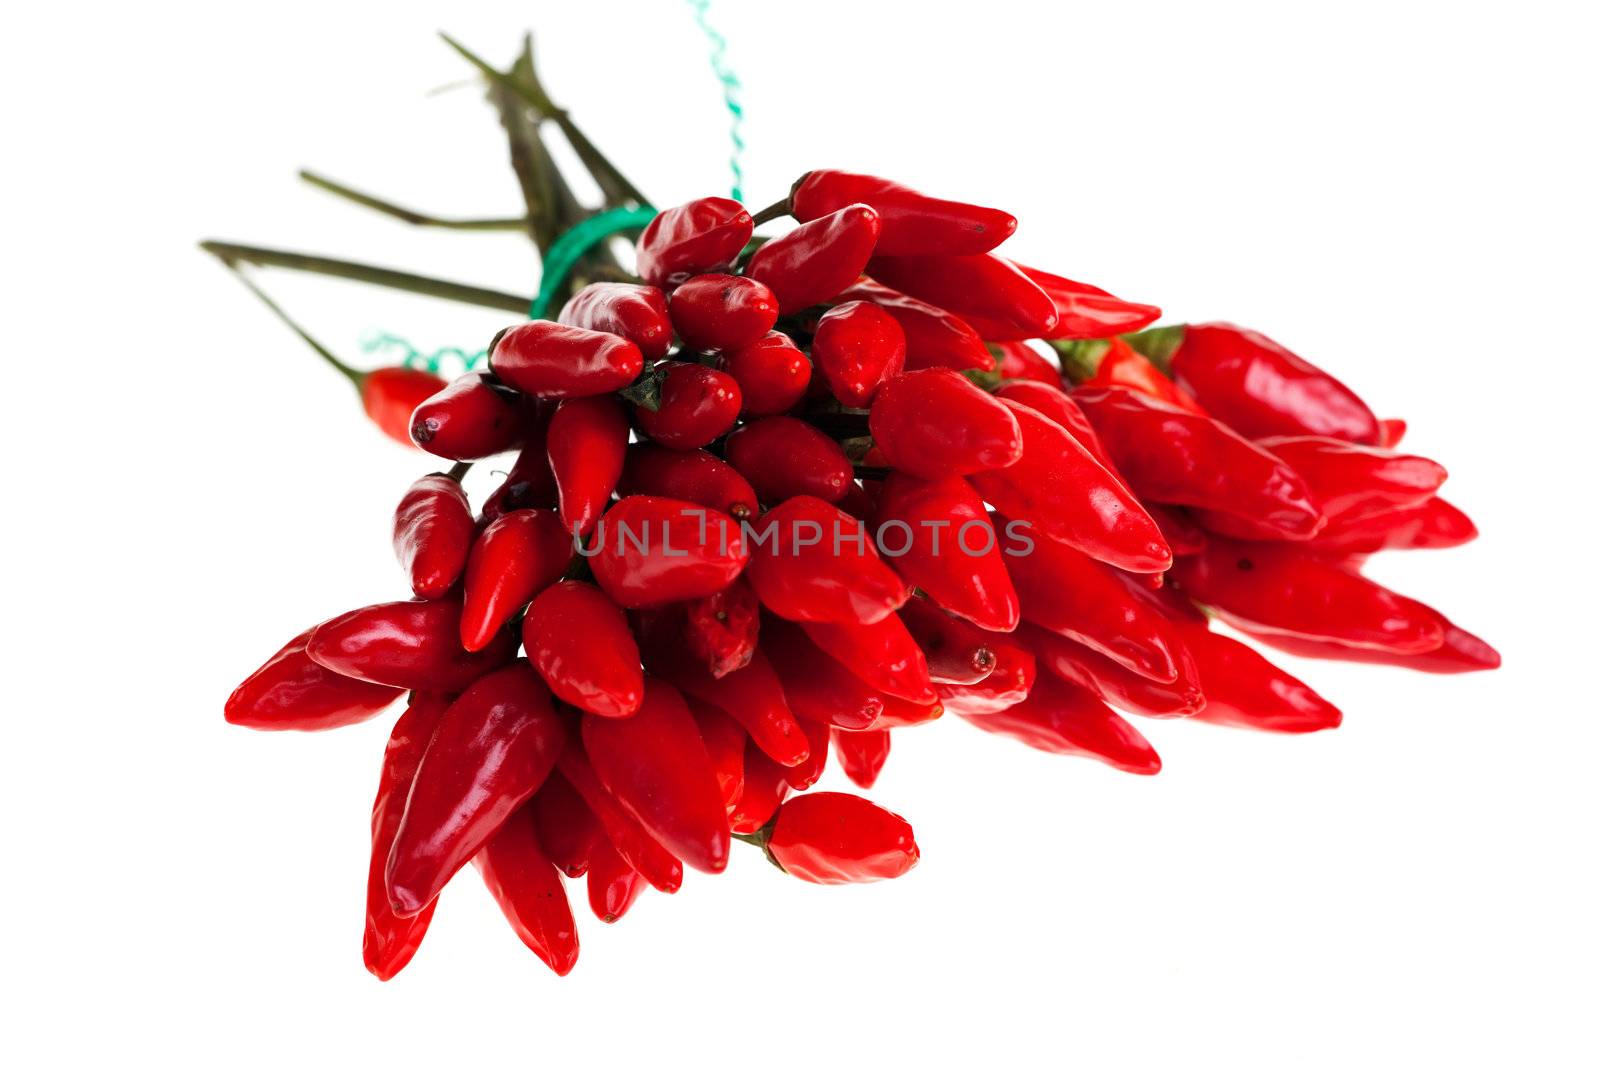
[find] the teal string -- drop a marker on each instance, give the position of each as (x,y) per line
(732,88)
(566,250)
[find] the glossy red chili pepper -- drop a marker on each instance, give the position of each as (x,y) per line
(805,775)
(622,831)
(814,563)
(938,536)
(861,754)
(390,394)
(545,358)
(1390,432)
(472,417)
(1272,588)
(588,440)
(291,691)
(568,831)
(934,337)
(816,686)
(1260,388)
(722,312)
(492,750)
(702,235)
(725,742)
(883,654)
(651,550)
(1113,362)
(613,885)
(764,789)
(1110,681)
(958,652)
(752,695)
(516,556)
(979,286)
(580,644)
(913,224)
(1183,535)
(772,374)
(1053,403)
(1059,490)
(433,531)
(389,941)
(410,644)
(899,712)
(1348,479)
(817,260)
(1244,688)
(1019,361)
(934,423)
(857,346)
(721,630)
(530,482)
(784,457)
(1008,682)
(1086,311)
(1068,720)
(1458,653)
(697,406)
(1431,524)
(834,838)
(656,765)
(635,312)
(528,889)
(691,475)
(1177,457)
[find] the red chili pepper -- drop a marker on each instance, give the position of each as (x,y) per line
(492,750)
(1068,720)
(293,692)
(545,358)
(1111,682)
(1244,688)
(1348,479)
(1183,535)
(705,234)
(472,417)
(857,346)
(752,695)
(764,789)
(721,630)
(1114,362)
(1390,432)
(651,550)
(1260,388)
(883,654)
(433,531)
(530,483)
(528,889)
(938,536)
(725,742)
(1177,457)
(622,831)
(784,457)
(861,754)
(1459,653)
(722,312)
(834,838)
(913,224)
(1008,683)
(579,642)
(803,776)
(697,406)
(934,423)
(693,475)
(1053,403)
(974,287)
(409,644)
(816,686)
(568,831)
(1431,524)
(588,440)
(1083,310)
(817,564)
(817,260)
(958,652)
(772,374)
(389,941)
(656,765)
(390,394)
(934,337)
(1272,588)
(899,712)
(613,885)
(1018,361)
(1059,490)
(635,312)
(516,556)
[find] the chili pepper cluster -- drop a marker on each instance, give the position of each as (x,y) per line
(776,498)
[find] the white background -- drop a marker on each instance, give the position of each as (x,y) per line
(1402,192)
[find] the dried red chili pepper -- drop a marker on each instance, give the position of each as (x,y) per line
(834,838)
(291,691)
(1112,682)
(934,337)
(1053,403)
(492,750)
(913,224)
(816,686)
(702,235)
(856,346)
(861,754)
(409,644)
(579,642)
(725,742)
(528,889)
(622,831)
(389,941)
(656,765)
(764,789)
(817,564)
(697,405)
(433,531)
(544,358)
(958,652)
(651,550)
(588,440)
(472,417)
(390,394)
(516,556)
(817,260)
(635,312)
(1066,719)
(1008,682)
(692,475)
(568,831)
(938,536)
(613,885)
(974,287)
(934,423)
(772,374)
(721,630)
(883,654)
(722,312)
(783,457)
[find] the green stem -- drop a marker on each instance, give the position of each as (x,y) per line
(356,377)
(404,214)
(458,472)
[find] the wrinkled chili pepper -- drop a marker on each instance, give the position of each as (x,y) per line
(1066,719)
(862,754)
(528,889)
(697,405)
(934,423)
(409,644)
(516,556)
(817,260)
(433,532)
(390,394)
(650,550)
(856,346)
(472,417)
(833,838)
(543,358)
(291,691)
(817,564)
(772,374)
(784,457)
(588,440)
(691,475)
(938,536)
(635,312)
(722,312)
(913,224)
(721,630)
(580,644)
(934,336)
(702,235)
(984,287)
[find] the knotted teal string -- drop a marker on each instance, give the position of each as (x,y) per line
(566,250)
(731,90)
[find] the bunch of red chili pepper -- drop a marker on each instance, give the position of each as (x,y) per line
(779,497)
